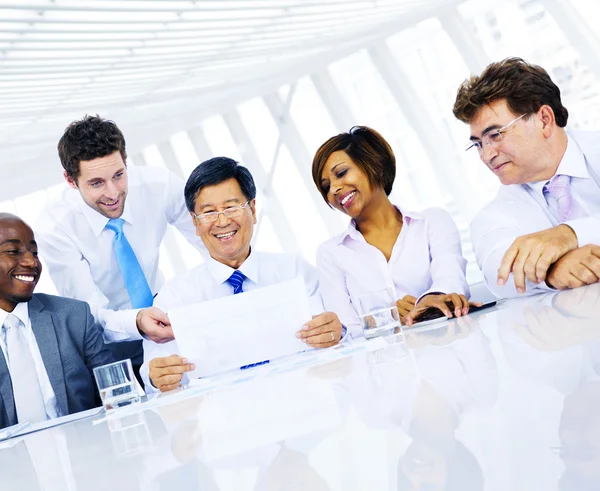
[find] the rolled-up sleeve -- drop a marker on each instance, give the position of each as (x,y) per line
(586,229)
(332,285)
(71,275)
(492,233)
(448,265)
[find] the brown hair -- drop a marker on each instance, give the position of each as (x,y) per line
(525,87)
(88,139)
(367,149)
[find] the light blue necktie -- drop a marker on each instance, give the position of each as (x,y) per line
(137,286)
(236,280)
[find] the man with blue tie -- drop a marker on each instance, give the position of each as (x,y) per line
(50,345)
(543,228)
(220,195)
(100,239)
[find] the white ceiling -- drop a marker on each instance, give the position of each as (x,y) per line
(157,67)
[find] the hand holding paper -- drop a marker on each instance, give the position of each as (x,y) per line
(251,327)
(322,331)
(166,372)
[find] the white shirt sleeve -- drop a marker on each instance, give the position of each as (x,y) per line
(448,265)
(586,229)
(332,284)
(492,233)
(311,282)
(165,299)
(72,277)
(177,213)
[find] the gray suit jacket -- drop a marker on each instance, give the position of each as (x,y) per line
(71,345)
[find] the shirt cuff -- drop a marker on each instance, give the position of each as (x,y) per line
(344,334)
(129,324)
(586,229)
(428,293)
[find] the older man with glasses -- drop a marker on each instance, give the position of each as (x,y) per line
(543,227)
(220,195)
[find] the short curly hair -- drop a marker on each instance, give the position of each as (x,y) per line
(526,88)
(87,139)
(367,149)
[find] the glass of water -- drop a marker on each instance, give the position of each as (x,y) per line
(116,384)
(378,313)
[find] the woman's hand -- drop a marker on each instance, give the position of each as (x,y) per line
(452,304)
(405,305)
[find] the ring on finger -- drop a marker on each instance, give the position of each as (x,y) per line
(332,336)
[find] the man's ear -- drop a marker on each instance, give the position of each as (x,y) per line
(546,115)
(70,181)
(253,209)
(195,221)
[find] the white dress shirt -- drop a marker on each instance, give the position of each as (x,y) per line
(78,249)
(208,281)
(22,312)
(427,257)
(520,210)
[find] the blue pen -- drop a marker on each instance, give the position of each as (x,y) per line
(245,367)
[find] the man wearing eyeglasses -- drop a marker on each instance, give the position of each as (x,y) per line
(220,195)
(100,239)
(543,227)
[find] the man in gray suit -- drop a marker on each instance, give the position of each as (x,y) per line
(542,231)
(49,344)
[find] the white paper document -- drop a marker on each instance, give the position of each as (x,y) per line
(239,330)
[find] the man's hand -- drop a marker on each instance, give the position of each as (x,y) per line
(322,331)
(405,305)
(459,303)
(530,256)
(155,324)
(576,268)
(166,372)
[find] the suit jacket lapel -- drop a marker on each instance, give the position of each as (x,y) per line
(45,335)
(6,392)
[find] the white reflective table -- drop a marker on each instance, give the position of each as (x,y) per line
(503,399)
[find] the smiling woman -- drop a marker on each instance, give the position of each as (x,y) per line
(417,254)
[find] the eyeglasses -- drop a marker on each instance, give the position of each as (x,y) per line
(213,216)
(492,137)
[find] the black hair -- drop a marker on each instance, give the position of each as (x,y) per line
(215,171)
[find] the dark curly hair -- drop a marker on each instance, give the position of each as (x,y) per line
(88,139)
(526,88)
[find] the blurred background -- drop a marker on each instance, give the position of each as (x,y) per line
(266,82)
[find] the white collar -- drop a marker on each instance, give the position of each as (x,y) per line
(21,311)
(353,233)
(572,164)
(97,221)
(221,272)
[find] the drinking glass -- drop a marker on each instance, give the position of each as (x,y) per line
(116,384)
(378,313)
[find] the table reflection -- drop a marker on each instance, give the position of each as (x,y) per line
(501,399)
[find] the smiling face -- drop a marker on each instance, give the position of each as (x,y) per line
(524,153)
(347,186)
(102,183)
(227,239)
(20,267)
